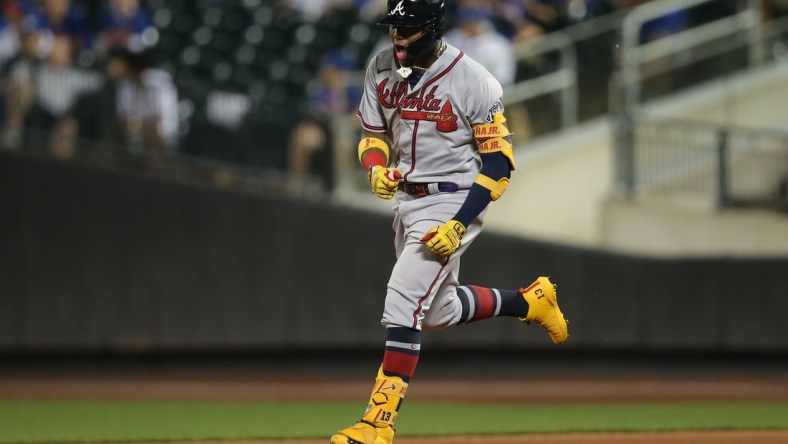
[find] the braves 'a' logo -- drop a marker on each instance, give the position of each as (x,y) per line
(399,9)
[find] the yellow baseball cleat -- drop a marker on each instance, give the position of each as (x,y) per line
(363,433)
(376,426)
(385,435)
(543,309)
(358,433)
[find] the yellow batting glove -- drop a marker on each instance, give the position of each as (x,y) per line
(384,181)
(444,239)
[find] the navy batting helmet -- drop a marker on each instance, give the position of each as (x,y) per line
(427,14)
(414,13)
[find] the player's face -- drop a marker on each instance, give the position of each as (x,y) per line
(401,37)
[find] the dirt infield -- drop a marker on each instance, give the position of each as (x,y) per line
(552,389)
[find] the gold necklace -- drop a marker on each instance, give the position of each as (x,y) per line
(405,71)
(440,53)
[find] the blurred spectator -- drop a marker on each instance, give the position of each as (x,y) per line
(509,17)
(475,35)
(41,93)
(64,17)
(481,31)
(580,10)
(370,10)
(656,29)
(10,21)
(60,17)
(663,26)
(17,77)
(774,9)
(524,20)
(331,93)
(549,14)
(147,102)
(310,149)
(136,107)
(310,154)
(9,48)
(123,25)
(307,10)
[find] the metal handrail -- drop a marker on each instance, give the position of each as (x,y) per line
(690,38)
(565,79)
(729,165)
(635,54)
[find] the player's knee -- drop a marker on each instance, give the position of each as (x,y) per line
(443,317)
(398,310)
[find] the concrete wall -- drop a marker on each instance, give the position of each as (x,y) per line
(660,227)
(95,260)
(557,191)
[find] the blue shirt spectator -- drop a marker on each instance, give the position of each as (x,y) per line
(60,17)
(331,94)
(475,35)
(663,26)
(122,25)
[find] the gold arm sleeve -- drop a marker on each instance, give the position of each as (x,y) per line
(373,146)
(496,187)
(494,137)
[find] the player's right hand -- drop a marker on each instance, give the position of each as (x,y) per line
(384,181)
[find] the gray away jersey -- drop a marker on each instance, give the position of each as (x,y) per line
(431,125)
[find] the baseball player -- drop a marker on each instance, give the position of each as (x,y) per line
(434,138)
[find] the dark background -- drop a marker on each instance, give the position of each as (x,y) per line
(97,262)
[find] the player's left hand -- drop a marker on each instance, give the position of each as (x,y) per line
(444,239)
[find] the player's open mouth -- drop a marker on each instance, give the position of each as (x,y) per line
(402,54)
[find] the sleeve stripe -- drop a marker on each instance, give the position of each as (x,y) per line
(378,129)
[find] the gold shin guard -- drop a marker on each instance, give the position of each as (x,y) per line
(376,426)
(385,400)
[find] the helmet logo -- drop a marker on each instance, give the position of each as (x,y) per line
(399,9)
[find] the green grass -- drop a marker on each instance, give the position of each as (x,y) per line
(105,421)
